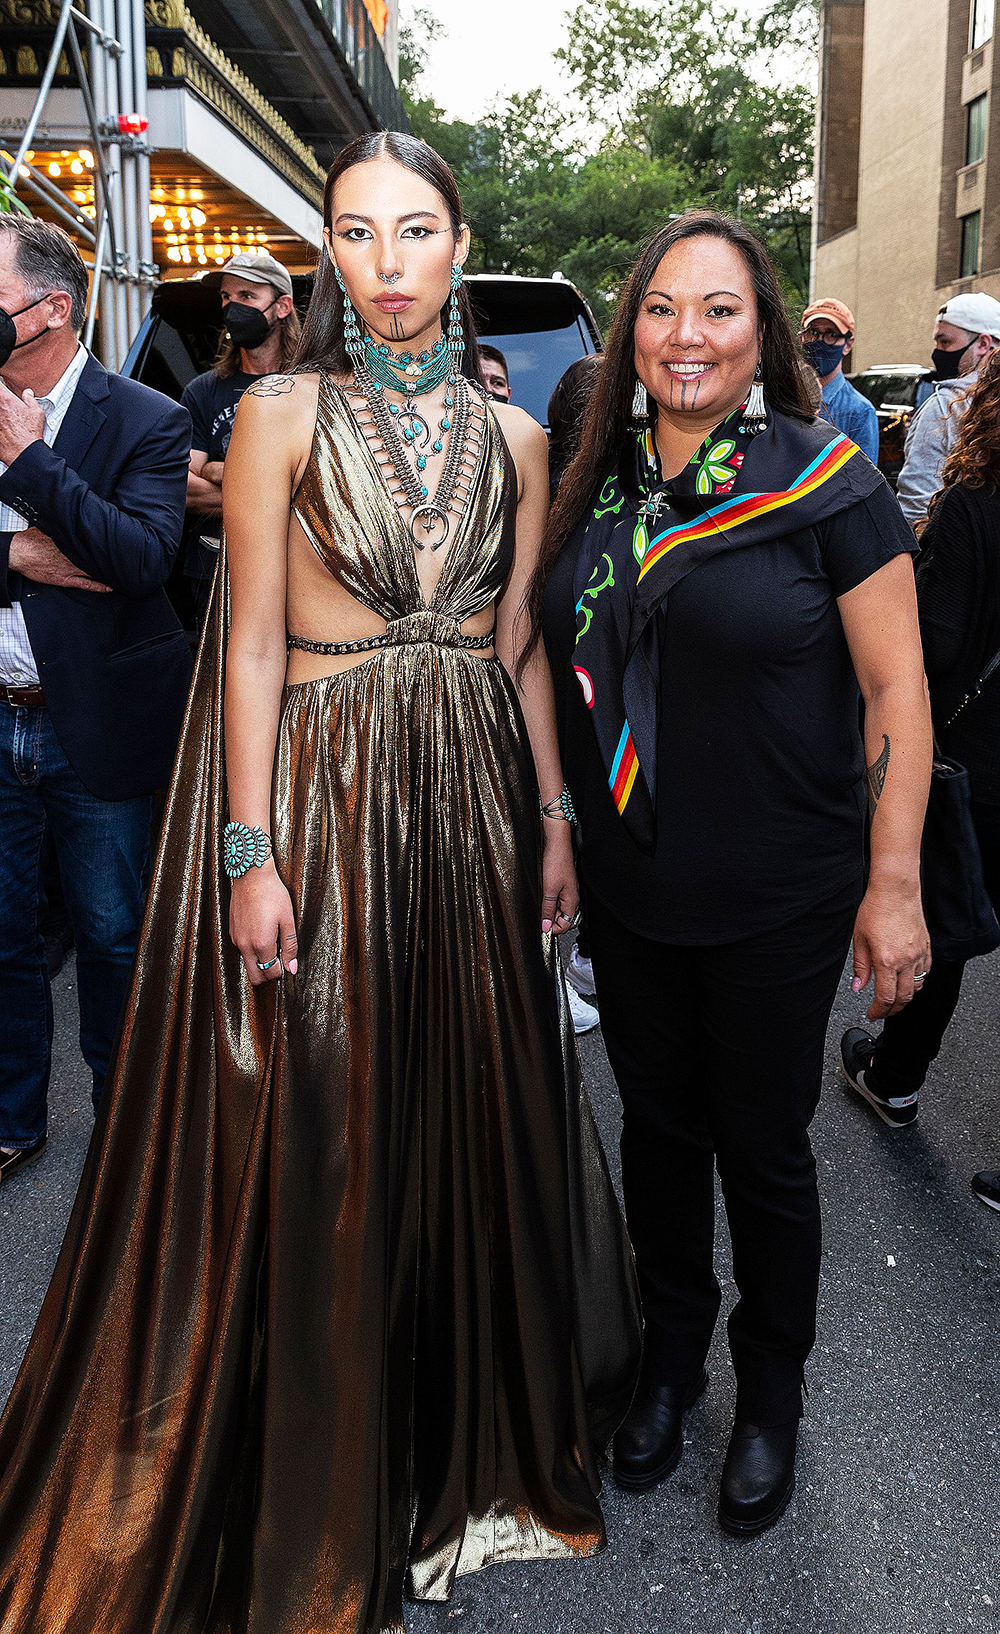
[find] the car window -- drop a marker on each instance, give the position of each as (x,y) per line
(536,360)
(887,390)
(175,357)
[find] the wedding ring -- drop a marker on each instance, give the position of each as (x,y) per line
(922,977)
(270,962)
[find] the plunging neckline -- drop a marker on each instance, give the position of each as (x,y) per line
(405,538)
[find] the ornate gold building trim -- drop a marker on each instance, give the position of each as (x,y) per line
(179,51)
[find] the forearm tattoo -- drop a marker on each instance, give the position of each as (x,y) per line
(875,774)
(272,385)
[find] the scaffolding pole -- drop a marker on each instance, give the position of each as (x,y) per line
(112,81)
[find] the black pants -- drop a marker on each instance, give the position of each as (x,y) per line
(910,1041)
(718,1054)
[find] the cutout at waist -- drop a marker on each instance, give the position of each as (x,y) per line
(425,626)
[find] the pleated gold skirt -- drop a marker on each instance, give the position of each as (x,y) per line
(346,1307)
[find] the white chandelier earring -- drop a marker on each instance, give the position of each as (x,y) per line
(755,413)
(640,407)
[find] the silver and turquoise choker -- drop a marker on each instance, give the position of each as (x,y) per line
(401,371)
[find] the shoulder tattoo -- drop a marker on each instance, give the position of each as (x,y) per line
(875,774)
(272,385)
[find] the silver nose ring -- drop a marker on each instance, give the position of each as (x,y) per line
(389,277)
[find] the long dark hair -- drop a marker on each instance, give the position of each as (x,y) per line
(609,411)
(322,343)
(975,459)
(567,406)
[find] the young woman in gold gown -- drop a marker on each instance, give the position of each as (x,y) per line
(345,1307)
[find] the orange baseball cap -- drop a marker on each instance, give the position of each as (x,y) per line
(836,311)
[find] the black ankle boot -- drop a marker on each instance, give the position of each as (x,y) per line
(758,1477)
(648,1444)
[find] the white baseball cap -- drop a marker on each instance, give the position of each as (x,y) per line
(976,313)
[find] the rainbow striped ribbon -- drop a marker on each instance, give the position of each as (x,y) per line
(736,512)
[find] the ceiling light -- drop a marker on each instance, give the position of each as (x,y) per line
(199,217)
(173,255)
(54,169)
(77,167)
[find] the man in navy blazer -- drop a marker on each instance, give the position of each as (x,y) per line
(94,666)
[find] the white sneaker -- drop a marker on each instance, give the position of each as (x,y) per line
(580,974)
(585,1016)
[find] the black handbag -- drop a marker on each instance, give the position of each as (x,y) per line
(960,916)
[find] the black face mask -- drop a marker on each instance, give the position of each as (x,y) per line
(247,325)
(8,330)
(948,365)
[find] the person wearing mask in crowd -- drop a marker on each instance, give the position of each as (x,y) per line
(966,332)
(826,335)
(722,569)
(260,333)
(94,666)
(567,404)
(958,592)
(495,373)
(346,1308)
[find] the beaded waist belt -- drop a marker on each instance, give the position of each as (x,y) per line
(400,632)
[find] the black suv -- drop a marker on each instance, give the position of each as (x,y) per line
(541,325)
(897,390)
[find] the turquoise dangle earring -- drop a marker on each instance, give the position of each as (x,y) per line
(353,344)
(456,331)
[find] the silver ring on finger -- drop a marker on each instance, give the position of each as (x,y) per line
(922,977)
(268,965)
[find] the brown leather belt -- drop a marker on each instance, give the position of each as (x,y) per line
(23,697)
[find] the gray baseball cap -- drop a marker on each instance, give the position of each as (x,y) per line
(256,268)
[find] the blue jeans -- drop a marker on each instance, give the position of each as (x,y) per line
(102,847)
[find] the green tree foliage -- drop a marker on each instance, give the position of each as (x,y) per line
(682,103)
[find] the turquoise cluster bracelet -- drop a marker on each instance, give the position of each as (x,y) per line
(561,806)
(243,848)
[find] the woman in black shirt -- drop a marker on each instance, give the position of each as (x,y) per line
(720,579)
(958,590)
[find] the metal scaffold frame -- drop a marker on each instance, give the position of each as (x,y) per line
(112,82)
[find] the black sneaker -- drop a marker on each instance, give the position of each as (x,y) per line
(986,1185)
(856,1048)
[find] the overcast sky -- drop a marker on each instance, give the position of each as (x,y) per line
(492,47)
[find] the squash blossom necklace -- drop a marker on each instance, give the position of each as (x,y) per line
(377,369)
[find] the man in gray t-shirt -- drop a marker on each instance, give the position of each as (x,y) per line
(967,331)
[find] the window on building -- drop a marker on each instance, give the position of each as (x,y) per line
(982,23)
(975,130)
(969,259)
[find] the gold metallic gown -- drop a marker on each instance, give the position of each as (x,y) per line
(345,1306)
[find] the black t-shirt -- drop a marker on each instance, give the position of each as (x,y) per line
(760,765)
(211,403)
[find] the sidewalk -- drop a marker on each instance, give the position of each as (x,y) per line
(895,1526)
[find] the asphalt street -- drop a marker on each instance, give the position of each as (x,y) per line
(895,1525)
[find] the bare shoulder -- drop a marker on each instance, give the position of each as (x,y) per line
(279,404)
(523,434)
